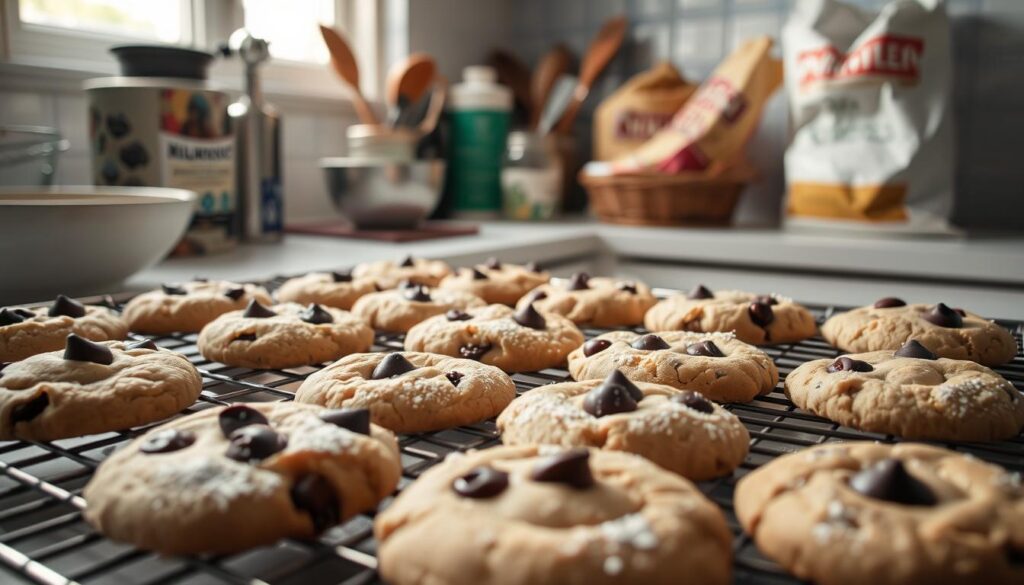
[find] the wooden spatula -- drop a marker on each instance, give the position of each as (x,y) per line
(344,63)
(409,80)
(601,51)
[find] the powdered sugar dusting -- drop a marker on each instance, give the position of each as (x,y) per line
(320,437)
(631,530)
(556,408)
(218,480)
(958,397)
(839,521)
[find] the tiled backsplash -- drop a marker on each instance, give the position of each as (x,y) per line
(988,37)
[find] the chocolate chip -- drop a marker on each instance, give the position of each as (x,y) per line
(889,480)
(629,287)
(694,400)
(457,315)
(571,468)
(27,411)
(244,337)
(418,293)
(167,440)
(316,315)
(109,302)
(595,346)
(493,263)
(67,307)
(393,364)
(143,344)
(474,352)
(200,279)
(761,314)
(700,292)
(579,281)
(80,349)
(848,364)
(538,296)
(235,293)
(4,365)
(454,377)
(913,349)
(356,420)
(255,443)
(1015,556)
(408,262)
(960,311)
(615,394)
(649,342)
(529,317)
(341,276)
(481,482)
(10,317)
(766,300)
(533,267)
(173,289)
(237,416)
(943,316)
(889,302)
(314,495)
(255,310)
(705,348)
(477,275)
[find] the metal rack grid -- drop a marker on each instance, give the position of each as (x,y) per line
(43,538)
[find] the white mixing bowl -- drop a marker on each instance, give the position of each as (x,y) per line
(84,240)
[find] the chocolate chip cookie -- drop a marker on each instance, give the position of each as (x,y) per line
(93,387)
(595,302)
(757,319)
(189,306)
(410,392)
(231,478)
(283,336)
(536,516)
(680,430)
(521,340)
(26,332)
(388,274)
(332,289)
(911,393)
(950,332)
(399,309)
(869,513)
(715,364)
(495,282)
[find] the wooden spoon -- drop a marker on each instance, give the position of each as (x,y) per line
(513,74)
(344,63)
(549,69)
(601,51)
(409,80)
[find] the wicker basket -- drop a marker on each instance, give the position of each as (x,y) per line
(659,199)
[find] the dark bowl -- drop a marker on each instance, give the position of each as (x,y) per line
(160,61)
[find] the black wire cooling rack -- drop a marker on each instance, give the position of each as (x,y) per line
(44,539)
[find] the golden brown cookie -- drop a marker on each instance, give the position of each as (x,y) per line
(497,282)
(596,302)
(331,289)
(26,332)
(388,274)
(189,306)
(399,309)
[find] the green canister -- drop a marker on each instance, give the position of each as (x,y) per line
(480,110)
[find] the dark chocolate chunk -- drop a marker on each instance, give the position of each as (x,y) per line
(700,292)
(454,377)
(235,293)
(1015,556)
(4,365)
(705,348)
(405,283)
(10,317)
(109,302)
(848,364)
(766,300)
(255,443)
(200,279)
(393,364)
(694,400)
(493,263)
(579,281)
(418,293)
(167,440)
(237,416)
(889,480)
(538,296)
(761,314)
(960,311)
(81,349)
(316,315)
(255,310)
(529,317)
(629,287)
(67,307)
(245,337)
(533,267)
(943,316)
(595,346)
(356,420)
(341,276)
(27,411)
(474,352)
(617,378)
(173,289)
(481,482)
(571,468)
(408,262)
(913,349)
(142,344)
(889,302)
(314,495)
(615,394)
(649,342)
(477,275)
(457,315)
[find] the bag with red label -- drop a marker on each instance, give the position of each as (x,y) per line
(869,97)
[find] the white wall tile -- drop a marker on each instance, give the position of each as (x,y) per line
(72,119)
(22,107)
(74,169)
(745,26)
(299,131)
(700,4)
(699,40)
(305,192)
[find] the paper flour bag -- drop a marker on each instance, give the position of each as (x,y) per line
(870,103)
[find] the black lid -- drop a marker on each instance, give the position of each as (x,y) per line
(161,61)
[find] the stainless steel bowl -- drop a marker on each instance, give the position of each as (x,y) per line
(382,193)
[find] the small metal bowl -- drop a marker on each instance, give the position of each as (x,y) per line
(382,193)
